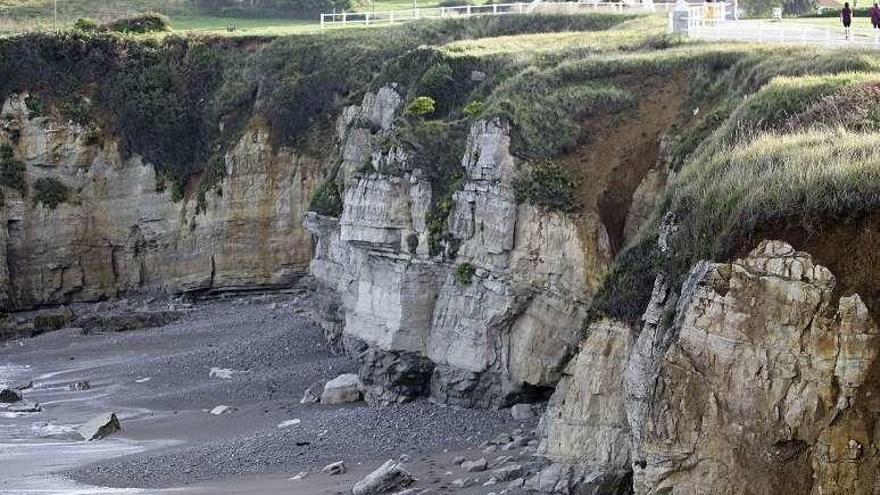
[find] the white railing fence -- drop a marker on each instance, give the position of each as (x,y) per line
(394,16)
(781,33)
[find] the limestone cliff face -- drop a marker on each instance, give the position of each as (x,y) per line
(767,384)
(765,381)
(417,327)
(117,234)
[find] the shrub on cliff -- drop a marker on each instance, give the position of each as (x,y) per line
(50,192)
(85,24)
(421,106)
(140,24)
(464,273)
(12,171)
(473,109)
(326,200)
(546,183)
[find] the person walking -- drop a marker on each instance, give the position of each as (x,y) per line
(875,21)
(846,17)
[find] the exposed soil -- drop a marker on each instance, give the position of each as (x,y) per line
(622,148)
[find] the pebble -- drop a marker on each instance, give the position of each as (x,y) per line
(463,482)
(475,466)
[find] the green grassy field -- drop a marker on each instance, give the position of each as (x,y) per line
(32,15)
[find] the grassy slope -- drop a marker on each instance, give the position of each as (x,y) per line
(766,152)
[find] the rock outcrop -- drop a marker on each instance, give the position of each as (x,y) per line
(586,424)
(119,233)
(388,289)
(757,378)
(766,383)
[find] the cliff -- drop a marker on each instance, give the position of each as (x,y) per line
(117,233)
(493,221)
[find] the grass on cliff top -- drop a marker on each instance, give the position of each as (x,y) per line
(180,102)
(534,47)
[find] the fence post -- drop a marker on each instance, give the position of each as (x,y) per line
(367,19)
(468,10)
(391,21)
(343,18)
(494,8)
(322,20)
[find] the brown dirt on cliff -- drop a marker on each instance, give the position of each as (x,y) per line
(622,149)
(850,248)
(608,168)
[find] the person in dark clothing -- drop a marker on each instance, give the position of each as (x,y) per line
(846,17)
(875,20)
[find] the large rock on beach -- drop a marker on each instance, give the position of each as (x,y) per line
(388,478)
(99,427)
(342,390)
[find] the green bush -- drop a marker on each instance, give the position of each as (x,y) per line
(85,24)
(12,171)
(626,289)
(546,183)
(326,200)
(140,24)
(35,106)
(50,192)
(464,273)
(473,109)
(421,106)
(436,223)
(437,81)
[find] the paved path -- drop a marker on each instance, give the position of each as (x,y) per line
(770,32)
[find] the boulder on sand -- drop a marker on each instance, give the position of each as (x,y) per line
(334,468)
(475,466)
(388,478)
(313,393)
(217,411)
(8,396)
(99,427)
(342,389)
(522,411)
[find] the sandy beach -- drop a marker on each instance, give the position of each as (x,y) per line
(158,381)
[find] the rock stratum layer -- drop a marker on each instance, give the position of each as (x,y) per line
(757,379)
(394,293)
(117,233)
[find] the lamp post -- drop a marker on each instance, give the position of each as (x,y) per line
(55,15)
